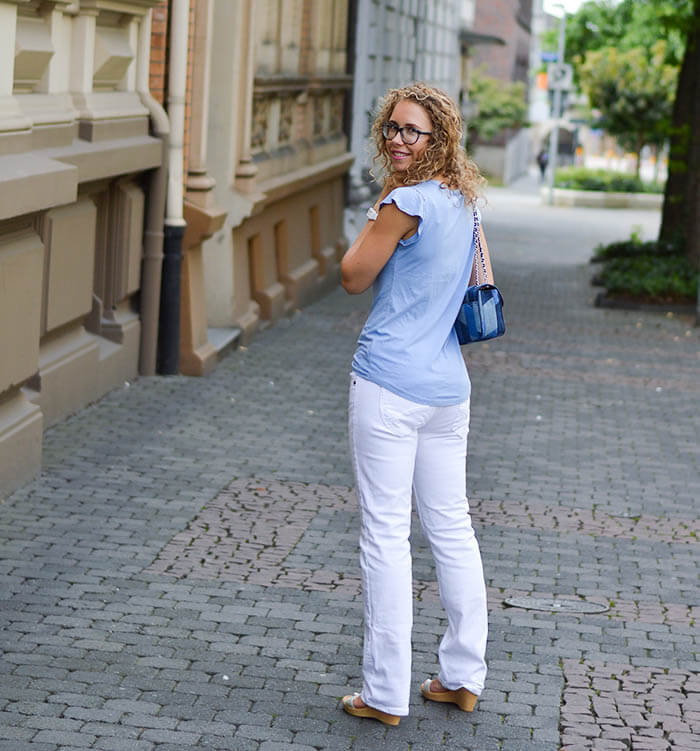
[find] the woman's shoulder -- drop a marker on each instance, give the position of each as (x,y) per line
(430,197)
(414,189)
(431,191)
(411,199)
(442,197)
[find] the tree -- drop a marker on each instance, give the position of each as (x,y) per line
(501,106)
(680,219)
(626,25)
(637,23)
(633,92)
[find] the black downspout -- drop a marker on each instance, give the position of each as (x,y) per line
(169,322)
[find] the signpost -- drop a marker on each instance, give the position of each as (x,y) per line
(559,79)
(560,76)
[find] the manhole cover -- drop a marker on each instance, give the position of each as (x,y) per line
(555,605)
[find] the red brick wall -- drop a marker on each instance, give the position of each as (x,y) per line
(159,49)
(499,18)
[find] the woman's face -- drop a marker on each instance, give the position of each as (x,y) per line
(411,115)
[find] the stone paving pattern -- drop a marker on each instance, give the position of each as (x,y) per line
(183,575)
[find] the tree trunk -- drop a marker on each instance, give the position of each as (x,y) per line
(693,181)
(680,211)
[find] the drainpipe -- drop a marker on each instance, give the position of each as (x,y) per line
(155,212)
(169,337)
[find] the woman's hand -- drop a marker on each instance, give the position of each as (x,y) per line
(374,246)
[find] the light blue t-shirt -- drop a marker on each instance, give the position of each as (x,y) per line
(408,344)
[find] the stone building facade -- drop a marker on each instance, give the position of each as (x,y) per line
(84,141)
(278,153)
(75,154)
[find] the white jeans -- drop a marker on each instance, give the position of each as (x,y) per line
(399,446)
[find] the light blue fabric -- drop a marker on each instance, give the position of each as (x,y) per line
(408,344)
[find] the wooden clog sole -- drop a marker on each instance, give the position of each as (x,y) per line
(464,699)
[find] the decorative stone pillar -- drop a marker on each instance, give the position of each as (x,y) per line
(204,217)
(245,168)
(229,127)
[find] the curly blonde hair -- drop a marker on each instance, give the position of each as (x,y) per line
(444,154)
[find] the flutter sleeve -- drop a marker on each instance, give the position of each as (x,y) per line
(411,201)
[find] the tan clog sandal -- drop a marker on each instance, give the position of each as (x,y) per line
(376,714)
(464,699)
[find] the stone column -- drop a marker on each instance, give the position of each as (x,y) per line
(204,217)
(245,168)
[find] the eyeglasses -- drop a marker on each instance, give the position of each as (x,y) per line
(409,134)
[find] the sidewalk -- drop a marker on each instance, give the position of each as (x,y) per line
(183,575)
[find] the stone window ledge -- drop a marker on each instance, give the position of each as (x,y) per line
(33,182)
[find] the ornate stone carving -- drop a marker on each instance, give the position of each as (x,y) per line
(287,106)
(337,107)
(319,116)
(258,138)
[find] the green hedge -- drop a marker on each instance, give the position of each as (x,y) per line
(648,270)
(634,248)
(582,178)
(657,278)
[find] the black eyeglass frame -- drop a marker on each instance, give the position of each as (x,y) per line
(400,131)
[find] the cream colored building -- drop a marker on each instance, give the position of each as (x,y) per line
(263,121)
(74,146)
(277,148)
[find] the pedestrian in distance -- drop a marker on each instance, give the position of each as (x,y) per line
(409,402)
(542,161)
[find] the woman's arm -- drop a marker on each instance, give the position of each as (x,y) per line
(374,246)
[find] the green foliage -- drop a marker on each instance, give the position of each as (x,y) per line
(627,25)
(633,91)
(652,271)
(583,178)
(633,248)
(502,106)
(657,278)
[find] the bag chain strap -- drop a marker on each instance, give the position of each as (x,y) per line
(477,243)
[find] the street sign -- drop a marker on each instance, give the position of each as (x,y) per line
(549,57)
(559,76)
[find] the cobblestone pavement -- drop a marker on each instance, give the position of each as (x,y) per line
(183,575)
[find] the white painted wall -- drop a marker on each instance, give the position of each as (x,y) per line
(398,42)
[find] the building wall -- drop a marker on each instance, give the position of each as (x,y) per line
(278,154)
(74,145)
(508,155)
(398,42)
(510,20)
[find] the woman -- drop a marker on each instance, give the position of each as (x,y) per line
(409,403)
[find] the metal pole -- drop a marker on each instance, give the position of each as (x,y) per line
(554,135)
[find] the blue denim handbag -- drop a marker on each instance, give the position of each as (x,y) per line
(480,315)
